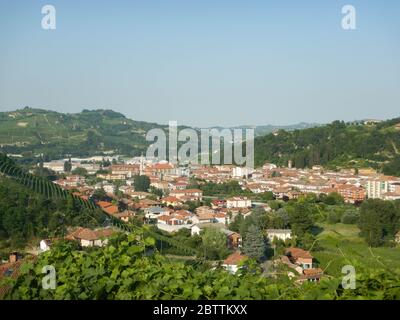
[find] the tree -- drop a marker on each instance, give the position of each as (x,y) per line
(236,224)
(254,244)
(214,243)
(378,221)
(67,166)
(300,219)
(80,171)
(141,183)
(350,217)
(99,194)
(333,199)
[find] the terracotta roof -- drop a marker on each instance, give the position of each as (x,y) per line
(205,216)
(111,210)
(313,272)
(235,258)
(186,191)
(164,218)
(123,214)
(170,199)
(83,233)
(162,166)
(104,204)
(90,235)
(183,213)
(298,253)
(220,215)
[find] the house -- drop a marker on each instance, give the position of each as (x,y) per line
(171,201)
(90,238)
(300,257)
(280,234)
(155,212)
(206,217)
(111,210)
(312,275)
(139,194)
(128,170)
(234,238)
(104,204)
(204,210)
(162,169)
(215,204)
(238,202)
(124,216)
(187,194)
(281,192)
(233,263)
(221,217)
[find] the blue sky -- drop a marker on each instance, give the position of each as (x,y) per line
(204,62)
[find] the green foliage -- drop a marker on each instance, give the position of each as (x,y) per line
(229,188)
(91,132)
(141,183)
(126,269)
(333,199)
(333,217)
(300,217)
(25,214)
(80,171)
(214,243)
(67,166)
(379,221)
(254,245)
(350,217)
(336,144)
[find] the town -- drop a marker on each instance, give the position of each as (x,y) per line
(170,198)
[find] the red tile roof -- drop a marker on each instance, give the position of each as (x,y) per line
(298,253)
(235,258)
(111,210)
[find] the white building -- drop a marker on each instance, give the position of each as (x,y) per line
(233,262)
(238,202)
(281,234)
(239,172)
(377,187)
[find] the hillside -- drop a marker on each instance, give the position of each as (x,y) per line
(266,129)
(88,132)
(338,144)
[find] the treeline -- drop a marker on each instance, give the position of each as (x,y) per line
(379,221)
(336,144)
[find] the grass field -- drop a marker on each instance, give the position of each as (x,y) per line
(342,245)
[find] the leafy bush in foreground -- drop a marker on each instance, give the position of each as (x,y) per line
(128,268)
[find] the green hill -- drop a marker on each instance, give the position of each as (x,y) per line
(85,133)
(338,144)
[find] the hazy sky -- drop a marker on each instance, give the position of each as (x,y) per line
(204,62)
